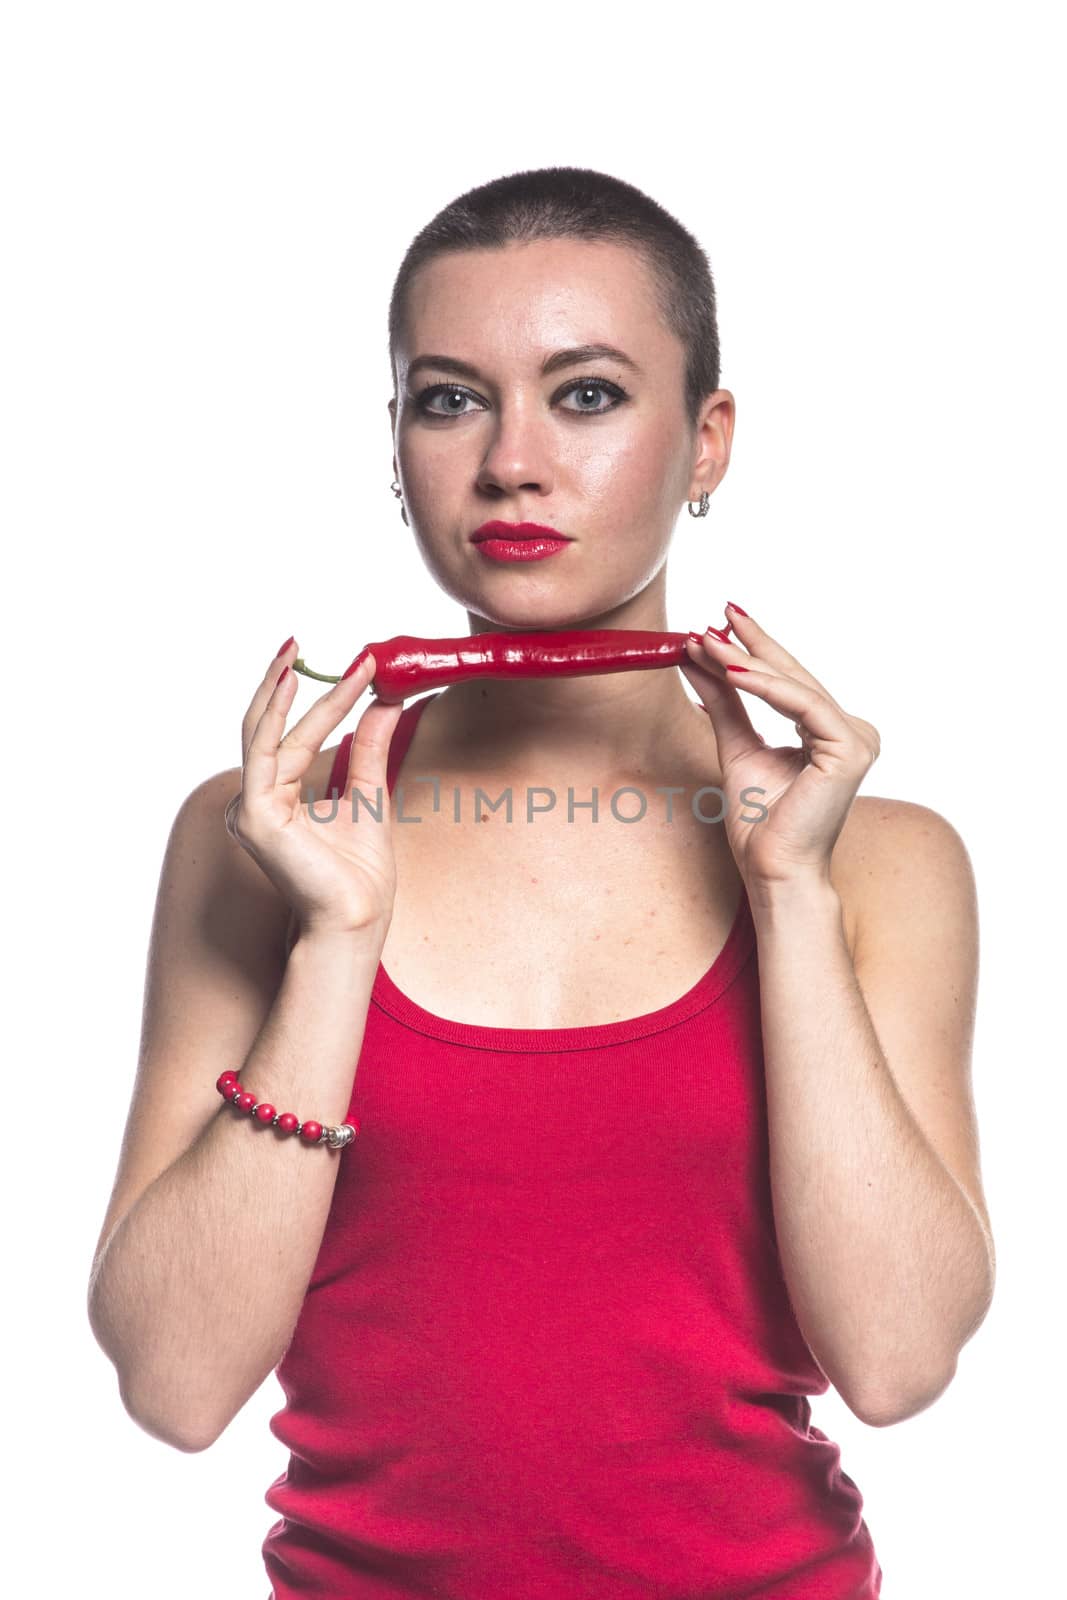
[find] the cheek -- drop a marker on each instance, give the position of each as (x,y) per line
(638,468)
(429,468)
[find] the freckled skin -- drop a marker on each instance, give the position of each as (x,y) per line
(524,446)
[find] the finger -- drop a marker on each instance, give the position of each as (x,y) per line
(758,642)
(368,756)
(734,734)
(818,719)
(260,772)
(258,703)
(700,706)
(722,654)
(302,743)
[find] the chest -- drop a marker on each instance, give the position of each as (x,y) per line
(554,923)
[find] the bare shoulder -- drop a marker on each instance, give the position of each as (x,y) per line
(876,822)
(899,864)
(209,851)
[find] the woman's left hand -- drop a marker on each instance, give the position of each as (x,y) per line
(807,792)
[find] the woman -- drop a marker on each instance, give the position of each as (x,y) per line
(664,1107)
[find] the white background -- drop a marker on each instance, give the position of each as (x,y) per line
(204,207)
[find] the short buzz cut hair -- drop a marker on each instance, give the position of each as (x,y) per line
(578,203)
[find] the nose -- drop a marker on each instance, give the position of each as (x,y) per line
(517,458)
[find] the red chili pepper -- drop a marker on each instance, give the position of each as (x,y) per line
(407,666)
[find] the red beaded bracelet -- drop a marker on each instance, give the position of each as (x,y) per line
(243,1100)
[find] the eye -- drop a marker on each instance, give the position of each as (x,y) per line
(584,385)
(452,390)
(577,385)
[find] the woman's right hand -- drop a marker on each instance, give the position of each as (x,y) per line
(338,875)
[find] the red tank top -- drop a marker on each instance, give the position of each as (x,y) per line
(547,1350)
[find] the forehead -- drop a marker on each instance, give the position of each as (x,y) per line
(545,293)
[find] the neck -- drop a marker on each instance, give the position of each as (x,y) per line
(567,729)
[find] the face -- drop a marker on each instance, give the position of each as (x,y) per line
(599,448)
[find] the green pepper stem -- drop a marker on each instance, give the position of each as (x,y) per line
(323,677)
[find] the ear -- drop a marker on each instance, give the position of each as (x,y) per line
(392,426)
(714,438)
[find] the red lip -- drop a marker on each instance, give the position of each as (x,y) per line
(515,530)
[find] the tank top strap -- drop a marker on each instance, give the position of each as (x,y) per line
(402,735)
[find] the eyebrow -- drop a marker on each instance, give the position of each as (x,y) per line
(561,358)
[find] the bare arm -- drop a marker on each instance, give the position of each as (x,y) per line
(882,1223)
(215,1223)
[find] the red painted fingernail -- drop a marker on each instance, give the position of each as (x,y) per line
(725,637)
(733,607)
(283,648)
(363,654)
(697,638)
(738,669)
(282,676)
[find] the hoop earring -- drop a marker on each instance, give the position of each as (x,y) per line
(400,496)
(704,501)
